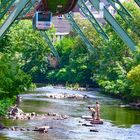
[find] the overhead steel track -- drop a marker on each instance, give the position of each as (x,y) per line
(5,7)
(12,17)
(24,12)
(116,26)
(138,2)
(90,47)
(50,45)
(92,19)
(122,11)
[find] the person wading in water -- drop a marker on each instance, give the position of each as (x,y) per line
(97,109)
(93,112)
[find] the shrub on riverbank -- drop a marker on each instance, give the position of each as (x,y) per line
(4,105)
(134,79)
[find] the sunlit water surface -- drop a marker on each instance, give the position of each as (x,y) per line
(119,123)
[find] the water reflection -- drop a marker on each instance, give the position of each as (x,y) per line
(119,123)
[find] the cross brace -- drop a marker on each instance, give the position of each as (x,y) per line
(6,8)
(122,11)
(12,17)
(92,19)
(116,26)
(138,2)
(119,30)
(78,30)
(24,12)
(54,51)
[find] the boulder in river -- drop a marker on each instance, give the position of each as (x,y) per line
(94,130)
(42,129)
(2,126)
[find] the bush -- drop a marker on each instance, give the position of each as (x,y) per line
(4,104)
(134,81)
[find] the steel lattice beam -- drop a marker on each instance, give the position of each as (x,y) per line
(24,12)
(92,19)
(119,30)
(53,50)
(12,17)
(138,2)
(116,26)
(122,11)
(6,8)
(78,30)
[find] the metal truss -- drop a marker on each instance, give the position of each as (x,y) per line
(50,45)
(138,2)
(13,16)
(92,19)
(90,47)
(122,11)
(119,30)
(116,26)
(5,5)
(25,11)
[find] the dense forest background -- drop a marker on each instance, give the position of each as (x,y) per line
(25,58)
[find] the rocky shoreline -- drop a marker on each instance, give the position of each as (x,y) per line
(15,113)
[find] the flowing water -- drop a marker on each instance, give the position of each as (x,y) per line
(119,123)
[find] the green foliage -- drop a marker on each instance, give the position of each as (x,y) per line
(75,66)
(31,50)
(13,80)
(112,66)
(115,59)
(134,79)
(4,104)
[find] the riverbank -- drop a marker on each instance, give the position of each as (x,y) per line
(123,123)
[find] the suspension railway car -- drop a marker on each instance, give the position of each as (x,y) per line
(42,19)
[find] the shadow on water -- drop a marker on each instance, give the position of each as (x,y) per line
(119,123)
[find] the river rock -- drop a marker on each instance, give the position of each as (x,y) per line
(94,130)
(43,129)
(2,126)
(123,106)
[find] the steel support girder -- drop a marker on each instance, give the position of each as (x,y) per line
(116,26)
(12,17)
(95,3)
(24,12)
(138,2)
(122,11)
(3,4)
(119,30)
(90,47)
(53,50)
(92,19)
(6,8)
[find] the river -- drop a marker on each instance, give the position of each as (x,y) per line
(119,123)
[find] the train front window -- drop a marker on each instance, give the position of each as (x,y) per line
(44,17)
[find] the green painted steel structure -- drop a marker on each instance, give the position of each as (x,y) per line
(138,2)
(13,15)
(122,11)
(51,46)
(92,19)
(5,6)
(73,23)
(22,7)
(116,26)
(119,30)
